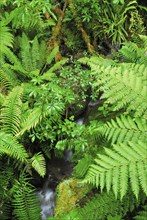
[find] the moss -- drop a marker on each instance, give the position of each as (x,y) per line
(69,192)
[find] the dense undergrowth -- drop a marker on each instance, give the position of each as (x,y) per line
(56,57)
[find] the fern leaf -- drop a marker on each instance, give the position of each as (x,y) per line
(25,202)
(5,81)
(142,214)
(6,38)
(35,54)
(26,53)
(30,121)
(11,111)
(124,88)
(38,163)
(124,129)
(11,147)
(82,166)
(52,55)
(56,66)
(117,166)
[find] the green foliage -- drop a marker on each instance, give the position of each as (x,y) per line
(35,19)
(11,147)
(25,202)
(123,85)
(120,167)
(142,214)
(11,111)
(5,80)
(104,206)
(32,54)
(132,52)
(38,163)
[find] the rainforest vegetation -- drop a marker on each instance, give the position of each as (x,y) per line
(60,61)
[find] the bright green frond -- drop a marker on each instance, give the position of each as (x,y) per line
(31,120)
(6,38)
(10,147)
(38,163)
(119,167)
(11,111)
(82,166)
(25,201)
(124,129)
(123,87)
(5,81)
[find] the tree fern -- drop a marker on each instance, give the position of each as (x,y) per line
(123,87)
(25,202)
(11,111)
(11,147)
(117,168)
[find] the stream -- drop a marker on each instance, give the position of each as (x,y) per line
(61,168)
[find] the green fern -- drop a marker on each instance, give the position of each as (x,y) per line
(131,52)
(123,86)
(30,121)
(5,80)
(11,111)
(12,148)
(102,206)
(38,163)
(142,215)
(124,129)
(6,38)
(117,168)
(25,202)
(82,167)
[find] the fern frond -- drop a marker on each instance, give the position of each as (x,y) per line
(82,167)
(118,167)
(48,75)
(5,81)
(103,205)
(11,111)
(38,163)
(36,56)
(124,129)
(6,38)
(25,202)
(123,87)
(132,53)
(30,121)
(11,147)
(25,53)
(52,55)
(142,215)
(43,54)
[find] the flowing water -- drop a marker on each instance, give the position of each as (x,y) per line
(47,201)
(46,194)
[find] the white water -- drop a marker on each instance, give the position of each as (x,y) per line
(79,121)
(47,201)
